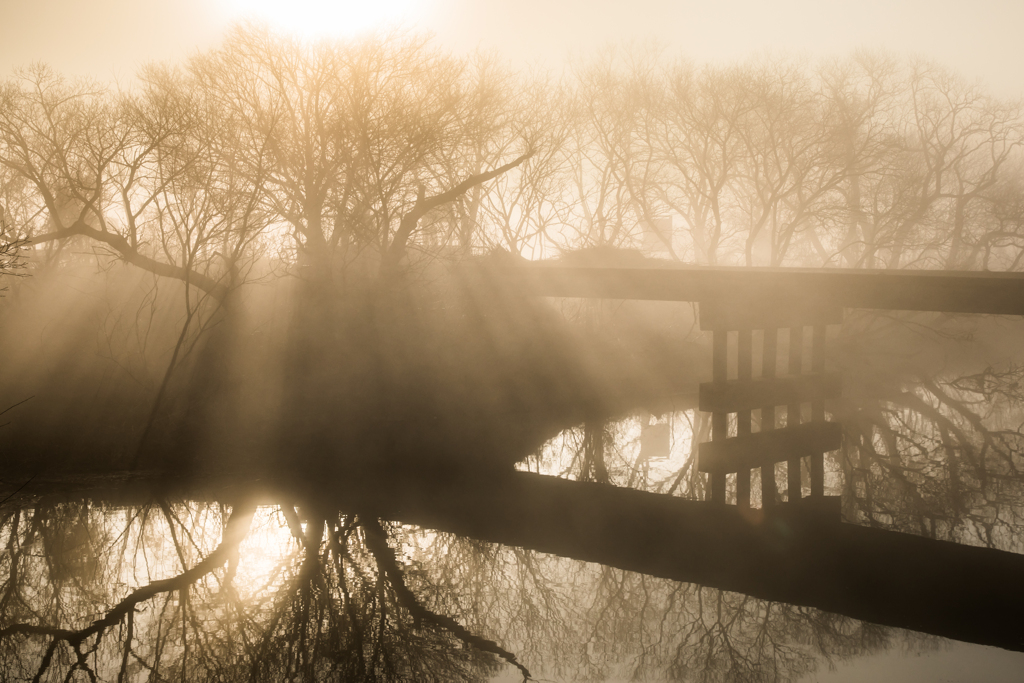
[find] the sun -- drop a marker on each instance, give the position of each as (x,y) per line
(322,18)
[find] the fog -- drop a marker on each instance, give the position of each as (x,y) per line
(354,358)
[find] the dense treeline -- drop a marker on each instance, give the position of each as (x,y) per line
(868,162)
(357,157)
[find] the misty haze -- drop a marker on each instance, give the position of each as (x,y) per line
(417,341)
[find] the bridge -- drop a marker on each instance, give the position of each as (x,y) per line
(798,554)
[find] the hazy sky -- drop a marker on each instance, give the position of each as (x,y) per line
(109,38)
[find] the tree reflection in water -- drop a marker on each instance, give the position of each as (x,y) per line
(150,594)
(190,591)
(933,418)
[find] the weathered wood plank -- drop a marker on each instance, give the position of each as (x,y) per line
(763,448)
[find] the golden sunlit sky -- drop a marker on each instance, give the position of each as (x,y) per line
(110,38)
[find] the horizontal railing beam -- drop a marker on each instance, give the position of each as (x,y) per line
(770,447)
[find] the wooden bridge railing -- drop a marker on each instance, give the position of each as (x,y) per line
(742,300)
(725,455)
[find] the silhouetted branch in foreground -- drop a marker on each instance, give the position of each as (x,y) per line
(376,542)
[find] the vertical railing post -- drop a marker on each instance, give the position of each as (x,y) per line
(744,372)
(769,357)
(719,420)
(796,360)
(818,411)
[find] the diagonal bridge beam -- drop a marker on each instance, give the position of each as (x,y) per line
(884,577)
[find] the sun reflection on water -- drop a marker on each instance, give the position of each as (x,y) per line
(266,552)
